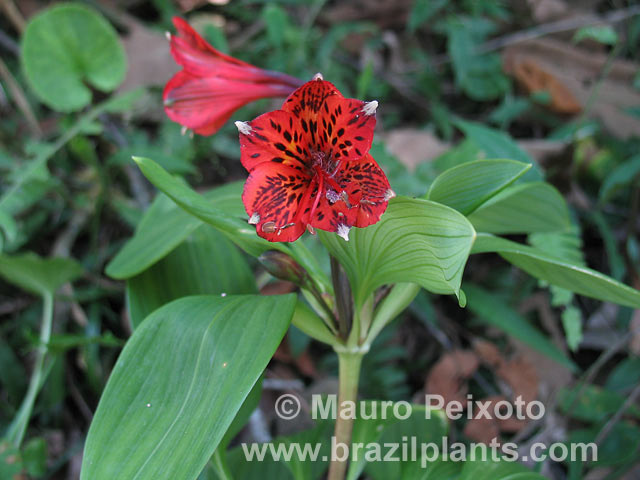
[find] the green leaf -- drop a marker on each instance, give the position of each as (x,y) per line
(42,276)
(65,47)
(604,34)
(425,428)
(219,462)
(164,226)
(225,220)
(619,178)
(523,208)
(469,185)
(591,403)
(416,241)
(619,447)
(480,76)
(10,460)
(572,324)
(497,144)
(34,457)
(625,375)
(422,11)
(501,470)
(492,310)
(178,384)
(193,268)
(556,271)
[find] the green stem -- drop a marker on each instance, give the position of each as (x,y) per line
(342,295)
(16,431)
(349,373)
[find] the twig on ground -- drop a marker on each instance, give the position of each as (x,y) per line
(20,99)
(13,14)
(544,29)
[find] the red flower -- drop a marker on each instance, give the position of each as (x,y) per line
(213,85)
(309,165)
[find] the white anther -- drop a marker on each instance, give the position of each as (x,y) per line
(183,130)
(332,196)
(318,76)
(369,108)
(255,218)
(343,231)
(168,35)
(243,127)
(389,194)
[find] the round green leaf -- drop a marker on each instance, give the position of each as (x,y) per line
(67,47)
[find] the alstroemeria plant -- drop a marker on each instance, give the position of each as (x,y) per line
(163,417)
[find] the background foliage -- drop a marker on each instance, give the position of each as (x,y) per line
(548,92)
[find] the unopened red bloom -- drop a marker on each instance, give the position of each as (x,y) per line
(309,165)
(213,85)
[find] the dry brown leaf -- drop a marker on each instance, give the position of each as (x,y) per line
(412,146)
(385,13)
(533,78)
(148,58)
(521,376)
(488,353)
(482,430)
(447,377)
(578,70)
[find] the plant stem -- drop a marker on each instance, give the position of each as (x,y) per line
(342,294)
(349,373)
(16,431)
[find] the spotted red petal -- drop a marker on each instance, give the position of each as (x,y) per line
(309,165)
(274,137)
(358,198)
(340,127)
(274,197)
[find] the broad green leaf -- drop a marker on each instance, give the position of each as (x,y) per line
(315,441)
(497,144)
(491,470)
(205,263)
(225,220)
(523,208)
(66,47)
(34,457)
(422,11)
(604,34)
(164,226)
(425,428)
(416,241)
(10,460)
(219,462)
(593,404)
(479,75)
(621,176)
(619,447)
(572,324)
(556,271)
(178,384)
(469,185)
(625,375)
(42,276)
(492,310)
